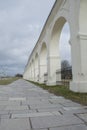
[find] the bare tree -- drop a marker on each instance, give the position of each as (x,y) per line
(66,70)
(65,64)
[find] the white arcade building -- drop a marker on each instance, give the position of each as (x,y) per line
(44,60)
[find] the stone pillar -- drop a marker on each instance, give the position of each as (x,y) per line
(36,74)
(79,83)
(29,74)
(53,66)
(25,75)
(32,72)
(43,70)
(45,78)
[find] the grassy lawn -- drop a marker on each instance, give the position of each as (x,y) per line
(6,81)
(65,92)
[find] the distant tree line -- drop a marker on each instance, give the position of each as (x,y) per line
(19,75)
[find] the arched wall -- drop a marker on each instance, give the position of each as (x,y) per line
(54,55)
(73,12)
(55,35)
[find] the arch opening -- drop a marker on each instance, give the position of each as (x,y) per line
(65,54)
(43,62)
(55,55)
(55,36)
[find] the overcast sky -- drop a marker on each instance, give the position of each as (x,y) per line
(21,22)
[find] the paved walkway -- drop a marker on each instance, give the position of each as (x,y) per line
(23,106)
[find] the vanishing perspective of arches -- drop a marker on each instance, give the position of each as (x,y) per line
(72,12)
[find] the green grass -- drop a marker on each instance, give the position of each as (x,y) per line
(65,92)
(6,81)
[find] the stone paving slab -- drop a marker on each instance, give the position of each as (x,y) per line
(36,114)
(21,111)
(49,109)
(17,99)
(3,98)
(83,116)
(2,107)
(35,102)
(54,121)
(58,100)
(39,129)
(3,103)
(13,103)
(72,127)
(15,124)
(16,107)
(4,116)
(39,106)
(4,112)
(71,104)
(73,110)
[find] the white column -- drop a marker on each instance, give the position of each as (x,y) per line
(79,83)
(36,74)
(30,74)
(53,66)
(43,70)
(33,72)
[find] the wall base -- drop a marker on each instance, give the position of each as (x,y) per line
(51,83)
(78,86)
